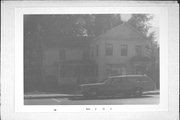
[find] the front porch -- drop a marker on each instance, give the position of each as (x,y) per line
(140,64)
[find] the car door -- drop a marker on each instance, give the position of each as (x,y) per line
(110,86)
(119,84)
(107,87)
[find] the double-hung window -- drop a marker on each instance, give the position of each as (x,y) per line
(138,50)
(109,49)
(124,50)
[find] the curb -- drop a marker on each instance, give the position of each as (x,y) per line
(71,95)
(49,96)
(151,93)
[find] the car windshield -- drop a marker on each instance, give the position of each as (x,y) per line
(107,80)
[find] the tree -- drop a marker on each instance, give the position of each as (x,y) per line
(154,48)
(141,22)
(154,55)
(32,53)
(104,22)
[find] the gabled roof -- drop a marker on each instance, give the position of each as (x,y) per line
(123,32)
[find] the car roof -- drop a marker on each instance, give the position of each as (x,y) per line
(127,76)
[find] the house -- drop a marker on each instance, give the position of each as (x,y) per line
(121,50)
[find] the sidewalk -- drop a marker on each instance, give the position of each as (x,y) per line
(50,95)
(39,96)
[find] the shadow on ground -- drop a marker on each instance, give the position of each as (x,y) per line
(104,97)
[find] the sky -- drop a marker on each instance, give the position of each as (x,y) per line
(125,17)
(154,22)
(155,27)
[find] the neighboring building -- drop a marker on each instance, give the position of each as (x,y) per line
(121,50)
(67,63)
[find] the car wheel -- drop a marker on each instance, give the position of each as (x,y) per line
(138,92)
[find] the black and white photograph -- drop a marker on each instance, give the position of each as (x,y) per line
(91,59)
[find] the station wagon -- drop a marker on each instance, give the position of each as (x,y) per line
(126,84)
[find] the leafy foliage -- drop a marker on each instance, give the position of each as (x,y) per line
(141,22)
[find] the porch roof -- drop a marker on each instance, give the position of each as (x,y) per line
(140,59)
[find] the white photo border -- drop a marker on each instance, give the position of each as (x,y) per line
(162,12)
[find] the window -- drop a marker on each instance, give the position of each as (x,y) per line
(62,54)
(138,50)
(97,50)
(109,50)
(124,50)
(85,54)
(108,81)
(119,80)
(116,81)
(92,52)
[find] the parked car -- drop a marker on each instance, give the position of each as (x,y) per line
(126,84)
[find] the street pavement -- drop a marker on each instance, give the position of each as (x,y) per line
(103,100)
(42,95)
